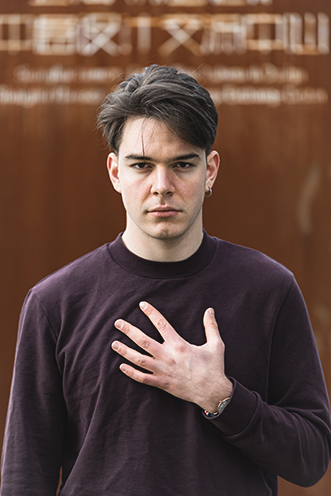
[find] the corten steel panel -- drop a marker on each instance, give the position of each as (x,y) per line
(266,62)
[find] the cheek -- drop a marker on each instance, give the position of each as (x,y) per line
(132,194)
(196,190)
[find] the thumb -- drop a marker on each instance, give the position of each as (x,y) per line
(210,324)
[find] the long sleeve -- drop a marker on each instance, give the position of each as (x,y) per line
(35,426)
(71,406)
(287,434)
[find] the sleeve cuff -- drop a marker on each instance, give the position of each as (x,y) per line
(238,413)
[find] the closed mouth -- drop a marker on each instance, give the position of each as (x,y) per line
(163,211)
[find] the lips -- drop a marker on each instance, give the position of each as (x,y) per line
(163,211)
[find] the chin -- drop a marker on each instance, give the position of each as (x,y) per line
(167,233)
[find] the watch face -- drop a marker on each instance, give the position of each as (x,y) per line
(223,405)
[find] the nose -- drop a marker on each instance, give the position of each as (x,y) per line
(162,183)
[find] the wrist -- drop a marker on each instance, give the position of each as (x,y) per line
(215,399)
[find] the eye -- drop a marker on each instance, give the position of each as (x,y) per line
(184,165)
(140,166)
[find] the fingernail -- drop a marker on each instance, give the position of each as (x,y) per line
(211,312)
(123,368)
(119,324)
(115,346)
(143,305)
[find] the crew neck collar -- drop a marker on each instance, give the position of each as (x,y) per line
(163,270)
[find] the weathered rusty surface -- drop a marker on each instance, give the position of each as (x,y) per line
(268,67)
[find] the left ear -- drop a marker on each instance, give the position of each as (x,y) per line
(213,164)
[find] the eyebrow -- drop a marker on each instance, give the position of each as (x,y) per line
(178,158)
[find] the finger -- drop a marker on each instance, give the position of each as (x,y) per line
(137,336)
(133,356)
(167,332)
(137,375)
(211,326)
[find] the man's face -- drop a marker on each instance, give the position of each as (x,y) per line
(162,180)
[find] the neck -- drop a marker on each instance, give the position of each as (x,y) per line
(163,250)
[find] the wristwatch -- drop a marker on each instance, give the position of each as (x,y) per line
(220,407)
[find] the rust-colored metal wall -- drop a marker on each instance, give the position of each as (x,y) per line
(267,64)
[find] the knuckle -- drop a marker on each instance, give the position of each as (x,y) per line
(161,324)
(180,348)
(142,362)
(171,361)
(143,343)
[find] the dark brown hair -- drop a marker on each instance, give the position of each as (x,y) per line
(162,93)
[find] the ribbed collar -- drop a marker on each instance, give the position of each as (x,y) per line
(163,270)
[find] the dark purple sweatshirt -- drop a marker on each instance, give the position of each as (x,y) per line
(71,407)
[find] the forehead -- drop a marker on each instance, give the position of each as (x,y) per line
(148,136)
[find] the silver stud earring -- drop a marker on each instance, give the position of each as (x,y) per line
(209,193)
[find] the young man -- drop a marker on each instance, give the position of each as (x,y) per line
(167,362)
